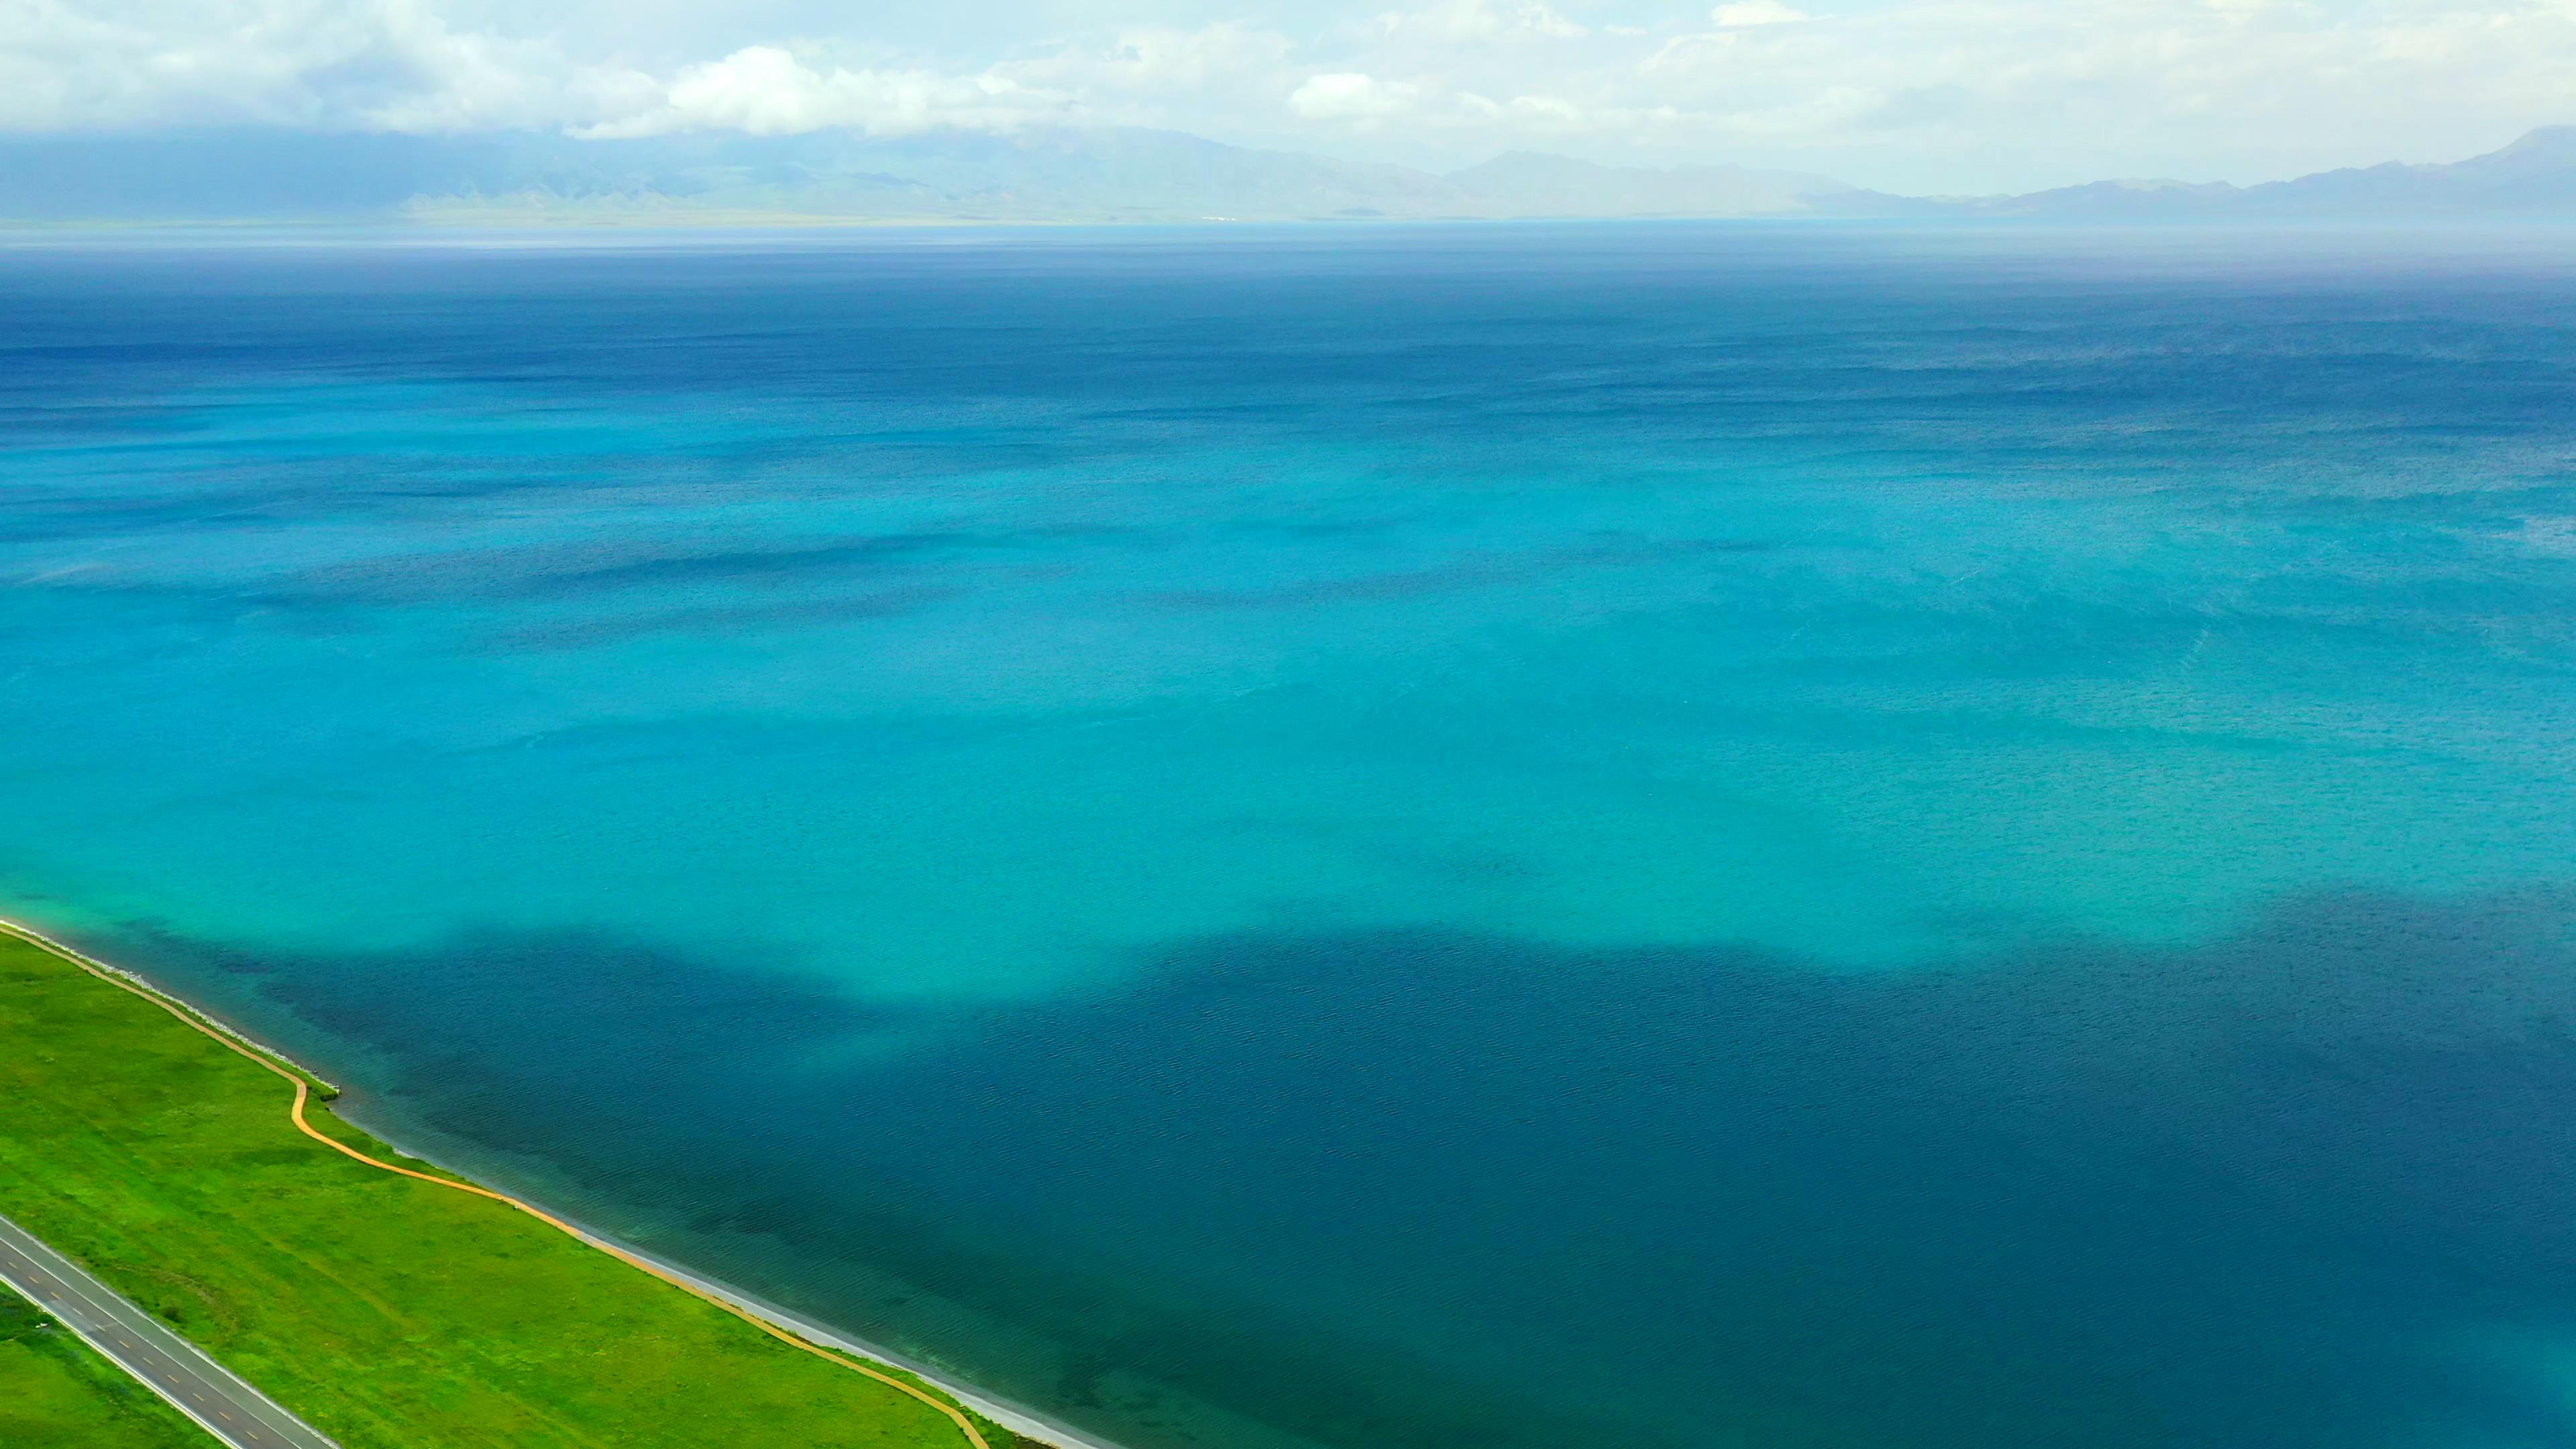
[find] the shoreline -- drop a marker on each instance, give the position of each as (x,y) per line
(1020,1419)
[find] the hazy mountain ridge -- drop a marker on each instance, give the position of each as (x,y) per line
(1530,183)
(1127,175)
(2535,176)
(1096,175)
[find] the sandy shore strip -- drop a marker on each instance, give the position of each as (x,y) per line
(1020,1419)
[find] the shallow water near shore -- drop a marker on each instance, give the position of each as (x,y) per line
(1664,835)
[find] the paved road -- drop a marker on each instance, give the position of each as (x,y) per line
(167,1364)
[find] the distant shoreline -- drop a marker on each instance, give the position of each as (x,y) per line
(1020,1419)
(1118,176)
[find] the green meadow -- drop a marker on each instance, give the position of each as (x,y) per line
(55,1393)
(389,1313)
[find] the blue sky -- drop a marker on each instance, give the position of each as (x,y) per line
(1912,95)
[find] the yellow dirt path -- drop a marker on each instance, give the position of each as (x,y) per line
(295,1113)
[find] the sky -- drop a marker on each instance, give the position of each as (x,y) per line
(1918,96)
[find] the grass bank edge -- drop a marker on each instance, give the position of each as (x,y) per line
(323,1089)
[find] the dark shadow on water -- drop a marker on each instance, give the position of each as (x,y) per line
(1416,1189)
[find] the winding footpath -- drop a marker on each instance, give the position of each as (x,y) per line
(123,981)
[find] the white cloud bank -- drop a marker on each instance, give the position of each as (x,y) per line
(764,90)
(1352,96)
(1754,12)
(1471,22)
(1915,94)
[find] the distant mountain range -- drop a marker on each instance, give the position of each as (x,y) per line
(2533,177)
(1110,175)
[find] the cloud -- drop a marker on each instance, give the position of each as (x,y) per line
(763,90)
(1554,111)
(1456,22)
(1915,94)
(1351,96)
(1160,75)
(1161,58)
(1755,12)
(374,64)
(1995,94)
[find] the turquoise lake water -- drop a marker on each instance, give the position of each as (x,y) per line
(1350,839)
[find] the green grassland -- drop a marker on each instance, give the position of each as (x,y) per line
(389,1313)
(56,1393)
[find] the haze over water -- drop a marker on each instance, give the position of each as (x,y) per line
(1521,837)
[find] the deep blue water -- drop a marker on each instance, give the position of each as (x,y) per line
(1761,837)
